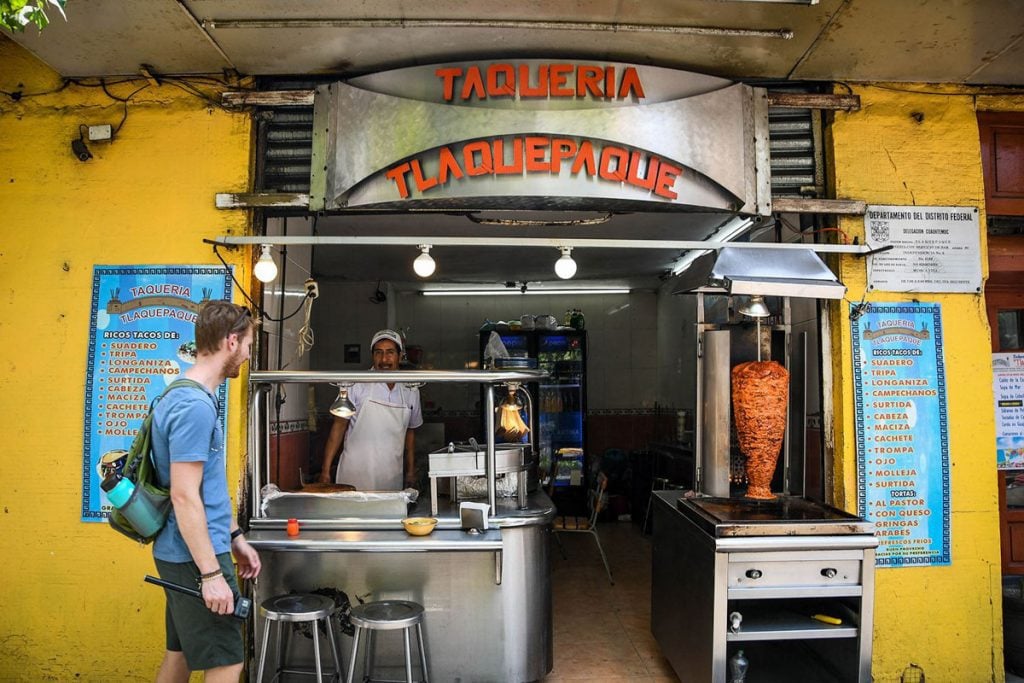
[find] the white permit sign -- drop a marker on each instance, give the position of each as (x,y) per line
(933,248)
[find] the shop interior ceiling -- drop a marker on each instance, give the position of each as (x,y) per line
(978,42)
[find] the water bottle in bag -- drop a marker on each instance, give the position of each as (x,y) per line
(136,507)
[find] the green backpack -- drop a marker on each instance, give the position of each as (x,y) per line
(149,500)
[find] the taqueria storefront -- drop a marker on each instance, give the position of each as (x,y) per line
(679,164)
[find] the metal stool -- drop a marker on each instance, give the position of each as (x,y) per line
(387,615)
(294,608)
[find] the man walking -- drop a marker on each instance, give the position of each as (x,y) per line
(196,546)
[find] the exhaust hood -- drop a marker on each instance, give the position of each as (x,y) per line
(769,271)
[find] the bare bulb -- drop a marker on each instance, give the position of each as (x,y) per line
(565,266)
(265,269)
(424,265)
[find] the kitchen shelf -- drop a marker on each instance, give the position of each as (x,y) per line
(778,625)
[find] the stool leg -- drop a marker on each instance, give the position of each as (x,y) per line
(408,656)
(283,641)
(316,652)
(423,653)
(335,655)
(352,656)
(263,650)
(369,655)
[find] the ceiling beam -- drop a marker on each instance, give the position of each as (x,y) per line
(555,242)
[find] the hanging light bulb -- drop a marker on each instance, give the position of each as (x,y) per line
(342,406)
(565,267)
(424,264)
(265,269)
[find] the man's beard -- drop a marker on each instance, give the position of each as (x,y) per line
(233,365)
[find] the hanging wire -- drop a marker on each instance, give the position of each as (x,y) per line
(252,303)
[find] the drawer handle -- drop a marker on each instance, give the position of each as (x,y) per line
(829,572)
(753,573)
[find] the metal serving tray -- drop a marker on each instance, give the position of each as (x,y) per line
(465,460)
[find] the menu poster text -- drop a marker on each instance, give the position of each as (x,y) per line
(141,337)
(902,431)
(1008,388)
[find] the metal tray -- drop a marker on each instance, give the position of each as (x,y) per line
(465,460)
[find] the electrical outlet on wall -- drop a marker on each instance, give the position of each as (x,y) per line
(101,132)
(312,288)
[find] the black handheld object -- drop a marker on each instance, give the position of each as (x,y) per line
(243,606)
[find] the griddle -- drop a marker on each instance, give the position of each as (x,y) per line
(783,516)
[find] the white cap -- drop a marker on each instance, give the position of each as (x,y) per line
(387,334)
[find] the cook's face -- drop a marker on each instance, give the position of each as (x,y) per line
(385,355)
(233,365)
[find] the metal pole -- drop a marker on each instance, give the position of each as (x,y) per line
(260,440)
(491,463)
(398,376)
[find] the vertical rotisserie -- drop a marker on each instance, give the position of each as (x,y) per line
(760,395)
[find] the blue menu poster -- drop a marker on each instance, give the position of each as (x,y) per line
(902,431)
(141,337)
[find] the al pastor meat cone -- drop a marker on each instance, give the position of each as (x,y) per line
(760,394)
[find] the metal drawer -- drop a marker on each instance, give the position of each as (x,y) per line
(783,570)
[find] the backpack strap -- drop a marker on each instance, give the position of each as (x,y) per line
(135,470)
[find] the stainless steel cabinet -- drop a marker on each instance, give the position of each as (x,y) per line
(770,587)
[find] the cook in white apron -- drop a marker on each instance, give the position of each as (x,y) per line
(374,448)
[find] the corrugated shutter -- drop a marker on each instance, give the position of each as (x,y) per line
(795,146)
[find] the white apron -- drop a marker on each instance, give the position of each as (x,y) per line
(374,451)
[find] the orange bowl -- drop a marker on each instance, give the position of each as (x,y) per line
(419,526)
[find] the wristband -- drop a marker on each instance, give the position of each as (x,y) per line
(236,533)
(211,575)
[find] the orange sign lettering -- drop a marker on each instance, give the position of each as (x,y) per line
(535,154)
(547,81)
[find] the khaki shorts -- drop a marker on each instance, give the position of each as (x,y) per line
(206,639)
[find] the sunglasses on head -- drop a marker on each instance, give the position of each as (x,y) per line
(243,317)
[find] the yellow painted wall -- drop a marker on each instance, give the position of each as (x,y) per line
(72,602)
(919,145)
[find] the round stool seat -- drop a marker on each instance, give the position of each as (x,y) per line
(297,607)
(386,615)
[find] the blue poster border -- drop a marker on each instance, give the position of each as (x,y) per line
(943,557)
(98,273)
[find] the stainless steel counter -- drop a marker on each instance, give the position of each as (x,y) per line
(733,574)
(487,596)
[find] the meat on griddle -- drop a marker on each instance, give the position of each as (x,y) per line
(760,394)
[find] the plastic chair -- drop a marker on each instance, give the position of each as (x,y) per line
(596,500)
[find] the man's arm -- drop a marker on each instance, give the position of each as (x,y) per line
(410,458)
(334,441)
(186,480)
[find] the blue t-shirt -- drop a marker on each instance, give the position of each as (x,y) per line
(186,428)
